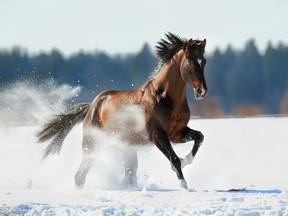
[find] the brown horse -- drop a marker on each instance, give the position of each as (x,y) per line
(160,102)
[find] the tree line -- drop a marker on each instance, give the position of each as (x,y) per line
(236,79)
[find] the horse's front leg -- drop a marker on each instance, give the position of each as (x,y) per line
(189,134)
(161,140)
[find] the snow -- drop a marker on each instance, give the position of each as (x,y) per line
(166,202)
(237,153)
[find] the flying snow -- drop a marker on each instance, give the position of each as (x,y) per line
(28,102)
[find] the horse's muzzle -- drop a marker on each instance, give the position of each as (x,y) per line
(199,93)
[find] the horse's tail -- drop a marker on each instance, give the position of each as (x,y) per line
(59,126)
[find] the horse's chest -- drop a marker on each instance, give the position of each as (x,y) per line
(173,120)
(171,110)
(164,106)
(176,123)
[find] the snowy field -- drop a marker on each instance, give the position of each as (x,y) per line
(248,153)
(243,153)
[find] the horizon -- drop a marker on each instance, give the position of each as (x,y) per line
(30,53)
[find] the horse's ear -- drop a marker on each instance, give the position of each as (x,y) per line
(189,44)
(203,44)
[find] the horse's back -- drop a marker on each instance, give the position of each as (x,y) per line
(115,110)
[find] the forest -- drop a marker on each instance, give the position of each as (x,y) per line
(240,82)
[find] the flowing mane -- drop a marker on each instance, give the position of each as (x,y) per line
(166,49)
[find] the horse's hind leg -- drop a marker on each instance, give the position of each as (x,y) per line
(88,147)
(131,166)
(80,176)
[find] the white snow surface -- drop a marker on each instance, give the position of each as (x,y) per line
(237,153)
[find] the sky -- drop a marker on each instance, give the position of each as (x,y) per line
(116,26)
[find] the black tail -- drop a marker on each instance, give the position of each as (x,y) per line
(58,127)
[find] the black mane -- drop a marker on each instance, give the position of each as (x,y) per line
(166,49)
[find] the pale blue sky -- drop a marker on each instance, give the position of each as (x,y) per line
(122,26)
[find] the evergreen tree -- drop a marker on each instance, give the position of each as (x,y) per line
(276,77)
(245,81)
(142,65)
(216,74)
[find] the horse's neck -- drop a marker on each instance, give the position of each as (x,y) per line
(171,83)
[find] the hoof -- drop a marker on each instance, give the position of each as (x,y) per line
(131,183)
(183,185)
(79,181)
(187,160)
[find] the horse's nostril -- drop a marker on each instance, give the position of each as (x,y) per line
(199,91)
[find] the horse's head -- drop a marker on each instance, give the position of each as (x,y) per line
(192,61)
(192,66)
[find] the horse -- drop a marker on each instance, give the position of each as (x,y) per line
(161,102)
